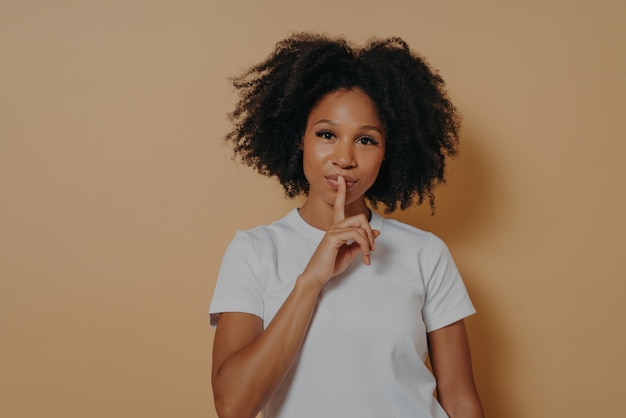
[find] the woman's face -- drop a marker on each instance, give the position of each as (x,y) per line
(344,137)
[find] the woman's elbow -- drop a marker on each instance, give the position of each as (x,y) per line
(229,407)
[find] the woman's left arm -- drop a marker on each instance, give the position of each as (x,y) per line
(452,366)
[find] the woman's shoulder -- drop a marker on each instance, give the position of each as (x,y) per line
(398,227)
(407,233)
(265,232)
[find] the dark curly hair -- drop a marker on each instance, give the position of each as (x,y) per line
(277,95)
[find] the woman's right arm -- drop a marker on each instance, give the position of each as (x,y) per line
(249,363)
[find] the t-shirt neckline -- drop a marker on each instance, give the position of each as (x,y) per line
(376,222)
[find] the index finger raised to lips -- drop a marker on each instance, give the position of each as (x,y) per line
(340,200)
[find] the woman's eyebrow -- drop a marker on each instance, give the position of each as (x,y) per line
(363,128)
(328,121)
(371,128)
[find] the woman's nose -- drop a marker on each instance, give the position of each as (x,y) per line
(343,154)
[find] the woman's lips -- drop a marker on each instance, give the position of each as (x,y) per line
(334,183)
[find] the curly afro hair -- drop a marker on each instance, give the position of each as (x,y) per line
(277,95)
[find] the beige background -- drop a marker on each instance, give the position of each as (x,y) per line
(117,196)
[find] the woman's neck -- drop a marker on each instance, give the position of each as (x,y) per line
(321,215)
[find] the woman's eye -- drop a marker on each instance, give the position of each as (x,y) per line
(366,140)
(325,134)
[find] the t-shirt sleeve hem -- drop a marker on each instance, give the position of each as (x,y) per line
(449,318)
(214,314)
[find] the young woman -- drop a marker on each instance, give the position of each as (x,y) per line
(333,310)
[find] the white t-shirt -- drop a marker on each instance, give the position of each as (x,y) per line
(364,352)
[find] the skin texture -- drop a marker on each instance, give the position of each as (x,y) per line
(344,139)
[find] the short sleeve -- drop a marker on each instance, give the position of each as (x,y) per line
(238,288)
(446,300)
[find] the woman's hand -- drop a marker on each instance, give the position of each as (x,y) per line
(342,243)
